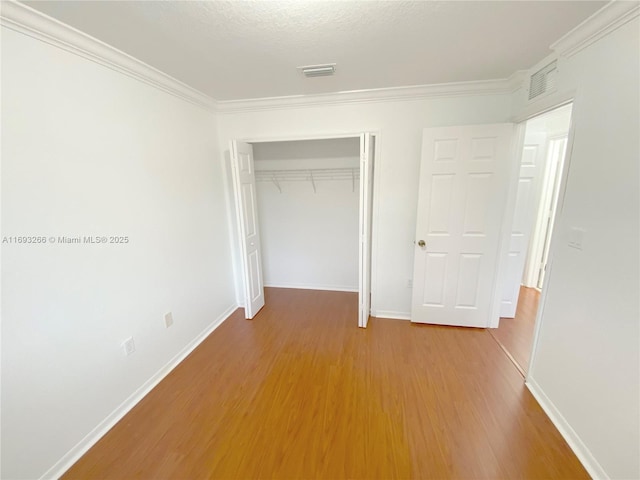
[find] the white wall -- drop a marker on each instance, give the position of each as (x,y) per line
(309,238)
(88,151)
(399,125)
(586,363)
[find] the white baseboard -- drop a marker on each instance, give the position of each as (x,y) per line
(333,288)
(73,455)
(589,462)
(391,314)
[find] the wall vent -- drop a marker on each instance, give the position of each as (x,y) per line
(543,81)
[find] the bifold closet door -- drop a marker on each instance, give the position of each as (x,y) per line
(248,230)
(366,209)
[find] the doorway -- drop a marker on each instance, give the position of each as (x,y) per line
(304,216)
(540,172)
(308,199)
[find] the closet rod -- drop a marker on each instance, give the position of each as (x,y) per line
(307,173)
(312,175)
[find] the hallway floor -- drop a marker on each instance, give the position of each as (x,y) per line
(515,335)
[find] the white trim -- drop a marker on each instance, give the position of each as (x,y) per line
(540,106)
(391,314)
(333,288)
(606,20)
(482,87)
(377,168)
(73,455)
(23,19)
(594,469)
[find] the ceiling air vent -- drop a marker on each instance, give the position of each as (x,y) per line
(325,70)
(543,81)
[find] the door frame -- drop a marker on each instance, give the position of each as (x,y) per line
(373,241)
(536,249)
(545,105)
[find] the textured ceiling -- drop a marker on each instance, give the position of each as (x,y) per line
(236,50)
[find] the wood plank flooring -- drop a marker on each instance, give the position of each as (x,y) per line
(516,334)
(301,392)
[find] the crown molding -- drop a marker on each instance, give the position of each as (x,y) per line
(483,87)
(609,18)
(21,18)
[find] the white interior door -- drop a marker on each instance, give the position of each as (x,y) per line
(557,149)
(461,203)
(247,219)
(527,199)
(549,184)
(366,207)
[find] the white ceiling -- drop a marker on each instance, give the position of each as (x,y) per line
(237,50)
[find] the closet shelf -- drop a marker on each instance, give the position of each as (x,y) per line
(312,175)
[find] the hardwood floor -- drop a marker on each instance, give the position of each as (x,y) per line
(516,334)
(301,392)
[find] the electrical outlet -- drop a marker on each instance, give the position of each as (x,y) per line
(129,346)
(168,319)
(410,283)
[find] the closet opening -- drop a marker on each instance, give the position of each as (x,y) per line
(541,169)
(304,216)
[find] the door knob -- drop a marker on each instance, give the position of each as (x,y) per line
(421,243)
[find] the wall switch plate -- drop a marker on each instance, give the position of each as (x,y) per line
(129,346)
(576,237)
(168,319)
(410,283)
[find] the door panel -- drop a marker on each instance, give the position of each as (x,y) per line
(245,193)
(436,263)
(439,208)
(249,213)
(463,188)
(468,280)
(478,196)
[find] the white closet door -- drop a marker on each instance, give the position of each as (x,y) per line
(461,204)
(247,218)
(366,210)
